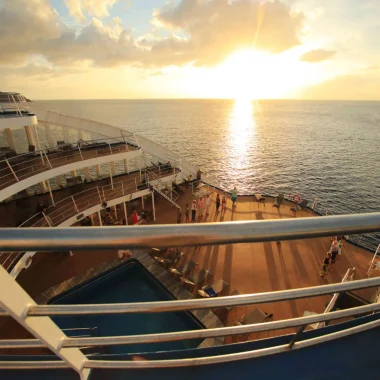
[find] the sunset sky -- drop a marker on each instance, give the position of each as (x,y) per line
(108,49)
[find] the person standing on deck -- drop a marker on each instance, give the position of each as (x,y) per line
(187,213)
(325,265)
(179,215)
(340,245)
(217,202)
(224,203)
(193,210)
(199,175)
(200,206)
(234,197)
(207,203)
(334,252)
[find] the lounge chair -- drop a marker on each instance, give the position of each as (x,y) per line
(169,258)
(278,201)
(197,278)
(300,206)
(259,198)
(185,268)
(255,316)
(213,290)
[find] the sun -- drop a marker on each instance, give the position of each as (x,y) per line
(252,74)
(243,74)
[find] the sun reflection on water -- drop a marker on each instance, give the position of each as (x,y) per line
(242,133)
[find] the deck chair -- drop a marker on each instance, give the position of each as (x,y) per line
(169,258)
(196,279)
(299,206)
(259,198)
(278,201)
(185,268)
(213,290)
(255,316)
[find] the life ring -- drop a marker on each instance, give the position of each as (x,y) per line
(296,198)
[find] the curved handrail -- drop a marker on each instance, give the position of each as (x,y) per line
(22,166)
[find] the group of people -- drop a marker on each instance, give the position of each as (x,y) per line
(202,206)
(332,255)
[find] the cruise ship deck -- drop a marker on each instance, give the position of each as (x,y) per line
(247,268)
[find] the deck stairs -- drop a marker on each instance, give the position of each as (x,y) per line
(163,189)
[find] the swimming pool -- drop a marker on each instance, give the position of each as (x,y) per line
(130,282)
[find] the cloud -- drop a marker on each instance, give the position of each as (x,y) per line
(317,55)
(97,8)
(347,87)
(216,28)
(24,25)
(201,32)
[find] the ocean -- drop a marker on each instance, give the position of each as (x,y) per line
(324,149)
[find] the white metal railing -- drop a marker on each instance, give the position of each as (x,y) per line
(22,166)
(79,202)
(36,318)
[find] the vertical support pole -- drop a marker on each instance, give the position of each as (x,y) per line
(122,188)
(92,219)
(109,144)
(47,219)
(125,213)
(136,183)
(113,170)
(50,192)
(17,302)
(29,135)
(8,136)
(140,168)
(126,166)
(43,187)
(100,219)
(87,173)
(98,172)
(110,171)
(142,202)
(154,209)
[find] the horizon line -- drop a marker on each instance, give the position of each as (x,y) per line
(234,99)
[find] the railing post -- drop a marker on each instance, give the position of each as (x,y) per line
(154,208)
(75,205)
(80,152)
(50,192)
(11,169)
(109,146)
(298,333)
(17,303)
(136,183)
(104,198)
(122,188)
(47,219)
(100,197)
(48,161)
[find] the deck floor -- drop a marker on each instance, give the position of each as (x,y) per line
(248,267)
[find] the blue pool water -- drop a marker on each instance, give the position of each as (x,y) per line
(130,282)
